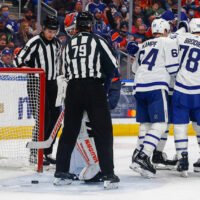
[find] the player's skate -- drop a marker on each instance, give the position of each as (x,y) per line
(183,164)
(160,161)
(62,178)
(143,164)
(135,153)
(196,166)
(134,166)
(95,179)
(111,181)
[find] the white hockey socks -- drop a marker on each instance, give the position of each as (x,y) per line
(181,139)
(153,137)
(161,145)
(144,128)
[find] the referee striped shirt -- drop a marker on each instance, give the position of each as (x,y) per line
(88,55)
(41,53)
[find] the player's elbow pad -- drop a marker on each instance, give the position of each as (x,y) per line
(132,48)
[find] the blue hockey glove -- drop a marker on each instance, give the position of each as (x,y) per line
(132,48)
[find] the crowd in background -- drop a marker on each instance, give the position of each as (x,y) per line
(111,16)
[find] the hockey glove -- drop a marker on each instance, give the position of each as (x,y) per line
(132,48)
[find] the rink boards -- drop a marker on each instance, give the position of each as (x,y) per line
(119,129)
(16,120)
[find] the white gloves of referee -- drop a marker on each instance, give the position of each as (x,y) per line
(62,87)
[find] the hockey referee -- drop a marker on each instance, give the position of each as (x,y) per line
(87,60)
(44,51)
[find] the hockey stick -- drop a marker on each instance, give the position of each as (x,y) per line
(47,143)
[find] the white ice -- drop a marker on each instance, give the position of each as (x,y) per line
(167,185)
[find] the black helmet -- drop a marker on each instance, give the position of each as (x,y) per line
(51,22)
(84,20)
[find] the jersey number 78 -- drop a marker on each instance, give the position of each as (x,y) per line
(192,59)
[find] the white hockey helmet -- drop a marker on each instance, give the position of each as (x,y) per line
(194,25)
(160,25)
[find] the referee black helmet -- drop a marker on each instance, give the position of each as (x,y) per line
(84,21)
(51,22)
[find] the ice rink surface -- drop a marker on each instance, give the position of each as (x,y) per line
(167,185)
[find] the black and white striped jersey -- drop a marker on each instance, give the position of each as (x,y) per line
(88,55)
(41,53)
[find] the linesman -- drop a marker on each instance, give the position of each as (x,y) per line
(44,51)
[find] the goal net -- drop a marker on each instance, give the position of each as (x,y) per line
(21,116)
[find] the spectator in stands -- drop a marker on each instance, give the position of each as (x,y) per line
(141,34)
(3,41)
(91,6)
(78,6)
(137,12)
(6,58)
(3,36)
(100,27)
(190,12)
(24,34)
(139,21)
(117,19)
(155,9)
(30,19)
(118,4)
(108,16)
(10,25)
(124,35)
(124,12)
(2,44)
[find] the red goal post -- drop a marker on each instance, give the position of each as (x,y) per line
(22,108)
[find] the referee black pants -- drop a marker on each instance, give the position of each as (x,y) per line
(86,95)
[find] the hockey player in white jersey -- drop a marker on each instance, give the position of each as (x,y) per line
(159,158)
(152,81)
(186,97)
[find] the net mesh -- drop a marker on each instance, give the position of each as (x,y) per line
(19,118)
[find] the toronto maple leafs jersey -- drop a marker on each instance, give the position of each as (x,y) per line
(188,77)
(155,63)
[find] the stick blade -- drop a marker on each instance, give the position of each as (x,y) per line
(37,145)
